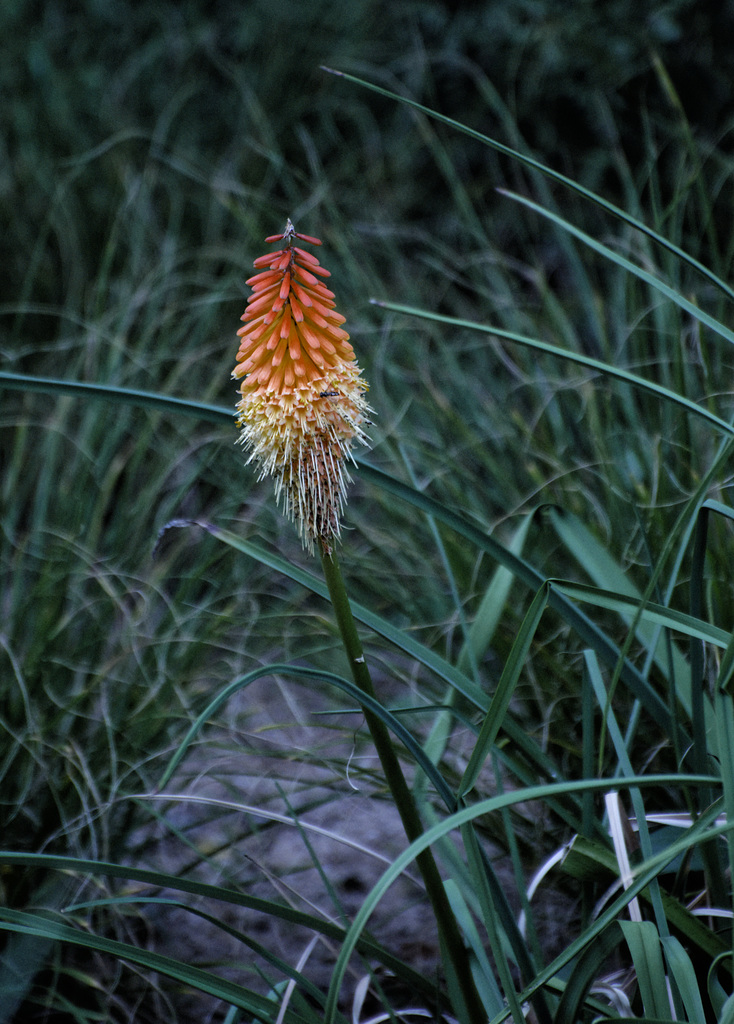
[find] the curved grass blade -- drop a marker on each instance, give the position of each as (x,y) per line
(724,726)
(548,172)
(484,977)
(627,606)
(368,618)
(606,369)
(161,880)
(505,689)
(722,1002)
(647,872)
(644,945)
(114,393)
(700,704)
(605,572)
(684,975)
(497,933)
(346,686)
(594,677)
(587,630)
(277,962)
(21,922)
(584,974)
(593,636)
(726,669)
(494,600)
(637,1020)
(631,268)
(701,831)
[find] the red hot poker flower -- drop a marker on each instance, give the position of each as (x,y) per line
(302,394)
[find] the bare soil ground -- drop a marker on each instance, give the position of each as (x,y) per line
(323,863)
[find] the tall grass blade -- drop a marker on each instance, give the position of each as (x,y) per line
(644,945)
(605,369)
(630,268)
(115,393)
(493,603)
(647,872)
(607,574)
(548,172)
(346,686)
(585,972)
(163,880)
(503,694)
(681,969)
(24,923)
(584,627)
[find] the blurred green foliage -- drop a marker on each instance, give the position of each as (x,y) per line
(92,92)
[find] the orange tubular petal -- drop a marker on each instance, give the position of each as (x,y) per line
(316,340)
(337,332)
(294,346)
(252,332)
(266,261)
(316,268)
(260,294)
(307,256)
(273,316)
(316,320)
(285,327)
(307,238)
(260,304)
(277,357)
(317,358)
(266,275)
(312,346)
(247,316)
(270,378)
(304,275)
(302,293)
(327,346)
(253,358)
(321,306)
(272,289)
(312,339)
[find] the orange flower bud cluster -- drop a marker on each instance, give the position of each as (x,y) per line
(302,399)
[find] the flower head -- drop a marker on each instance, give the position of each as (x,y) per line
(302,394)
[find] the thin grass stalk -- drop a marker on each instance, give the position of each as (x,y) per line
(451,941)
(724,718)
(710,853)
(547,172)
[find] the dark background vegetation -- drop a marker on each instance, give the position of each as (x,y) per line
(227,95)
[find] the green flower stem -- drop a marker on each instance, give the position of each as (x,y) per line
(451,941)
